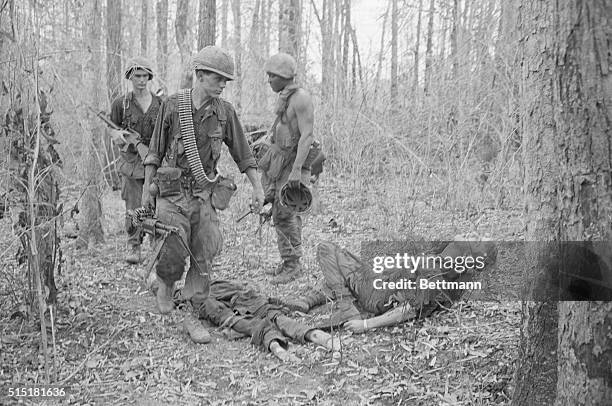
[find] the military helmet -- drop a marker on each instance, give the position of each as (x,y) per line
(297,199)
(214,59)
(282,65)
(138,63)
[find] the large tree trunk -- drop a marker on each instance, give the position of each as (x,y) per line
(207,23)
(162,41)
(182,40)
(567,143)
(91,225)
(224,12)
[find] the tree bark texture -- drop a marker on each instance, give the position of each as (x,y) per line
(566,111)
(182,40)
(91,225)
(113,48)
(237,53)
(394,39)
(429,49)
(417,45)
(207,23)
(162,41)
(224,12)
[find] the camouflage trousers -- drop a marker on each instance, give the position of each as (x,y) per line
(198,225)
(288,224)
(131,193)
(252,314)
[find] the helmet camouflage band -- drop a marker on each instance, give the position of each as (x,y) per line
(282,65)
(214,59)
(138,63)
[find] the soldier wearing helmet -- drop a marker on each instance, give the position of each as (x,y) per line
(283,165)
(136,110)
(183,201)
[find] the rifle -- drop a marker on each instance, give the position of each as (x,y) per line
(128,136)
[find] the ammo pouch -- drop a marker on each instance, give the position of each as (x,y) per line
(222,193)
(169,181)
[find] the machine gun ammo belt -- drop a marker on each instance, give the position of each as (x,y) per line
(189,141)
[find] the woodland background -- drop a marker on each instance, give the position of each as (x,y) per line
(480,116)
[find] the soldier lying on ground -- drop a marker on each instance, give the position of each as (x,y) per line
(247,312)
(362,293)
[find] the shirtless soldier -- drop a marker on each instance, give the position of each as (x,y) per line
(284,163)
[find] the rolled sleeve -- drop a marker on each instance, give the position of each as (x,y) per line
(237,143)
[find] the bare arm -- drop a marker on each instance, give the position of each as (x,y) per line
(304,111)
(394,316)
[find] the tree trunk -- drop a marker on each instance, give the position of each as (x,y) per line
(144,27)
(346,36)
(113,82)
(237,53)
(224,11)
(417,45)
(113,48)
(453,37)
(207,23)
(429,49)
(182,40)
(162,41)
(91,226)
(394,18)
(567,144)
(289,27)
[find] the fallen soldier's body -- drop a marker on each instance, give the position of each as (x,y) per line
(247,312)
(366,300)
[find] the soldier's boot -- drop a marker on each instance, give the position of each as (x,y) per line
(134,255)
(304,303)
(197,332)
(164,298)
(290,270)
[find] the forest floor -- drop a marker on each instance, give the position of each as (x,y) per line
(114,348)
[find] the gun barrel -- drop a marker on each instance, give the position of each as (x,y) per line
(243,216)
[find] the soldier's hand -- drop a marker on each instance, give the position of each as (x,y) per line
(295,178)
(148,200)
(356,326)
(118,137)
(257,200)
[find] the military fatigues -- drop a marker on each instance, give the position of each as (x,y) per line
(127,113)
(191,209)
(350,281)
(249,313)
(277,165)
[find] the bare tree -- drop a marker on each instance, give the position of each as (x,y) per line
(182,40)
(237,52)
(144,23)
(113,48)
(429,49)
(91,225)
(394,35)
(162,40)
(417,45)
(207,23)
(289,17)
(224,12)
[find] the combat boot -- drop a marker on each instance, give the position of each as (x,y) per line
(164,298)
(197,332)
(304,303)
(290,270)
(134,256)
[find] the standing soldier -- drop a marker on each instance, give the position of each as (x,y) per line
(137,111)
(182,162)
(290,144)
